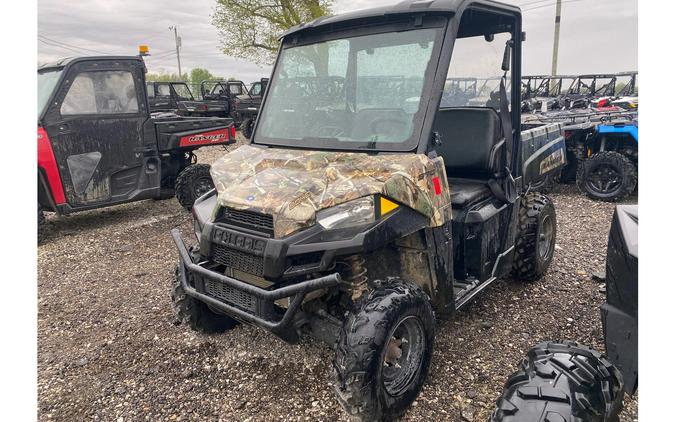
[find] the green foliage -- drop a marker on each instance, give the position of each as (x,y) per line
(198,74)
(249,29)
(163,77)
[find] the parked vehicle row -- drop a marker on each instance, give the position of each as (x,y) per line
(219,98)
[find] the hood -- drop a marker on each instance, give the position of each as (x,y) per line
(292,185)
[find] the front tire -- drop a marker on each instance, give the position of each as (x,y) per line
(196,314)
(193,182)
(384,351)
(247,128)
(607,176)
(562,382)
(535,243)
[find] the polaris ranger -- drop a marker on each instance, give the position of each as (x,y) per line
(218,98)
(358,215)
(246,107)
(98,145)
(167,96)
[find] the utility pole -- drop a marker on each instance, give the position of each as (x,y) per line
(178,45)
(556,38)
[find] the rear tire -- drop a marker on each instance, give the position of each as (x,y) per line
(42,225)
(193,182)
(196,314)
(562,382)
(607,176)
(384,351)
(247,128)
(535,242)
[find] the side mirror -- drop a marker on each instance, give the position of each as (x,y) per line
(506,62)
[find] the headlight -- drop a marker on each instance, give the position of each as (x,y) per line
(358,212)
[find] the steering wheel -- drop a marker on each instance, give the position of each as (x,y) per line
(388,121)
(330,131)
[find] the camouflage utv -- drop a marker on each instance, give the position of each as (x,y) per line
(361,210)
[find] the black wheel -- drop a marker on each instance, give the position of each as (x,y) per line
(562,382)
(384,351)
(193,182)
(247,128)
(196,314)
(607,176)
(42,225)
(535,242)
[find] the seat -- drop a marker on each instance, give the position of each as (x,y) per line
(466,191)
(471,150)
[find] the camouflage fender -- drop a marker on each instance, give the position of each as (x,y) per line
(293,185)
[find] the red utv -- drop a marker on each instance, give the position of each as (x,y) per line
(98,145)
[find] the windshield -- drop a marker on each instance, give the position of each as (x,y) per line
(47,80)
(183,91)
(358,92)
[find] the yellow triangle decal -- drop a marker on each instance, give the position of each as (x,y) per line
(387,206)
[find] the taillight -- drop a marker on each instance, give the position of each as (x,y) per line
(568,134)
(437,185)
(233,132)
(202,107)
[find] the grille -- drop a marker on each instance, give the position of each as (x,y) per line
(231,296)
(250,219)
(241,261)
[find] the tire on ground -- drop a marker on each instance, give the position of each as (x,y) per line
(535,242)
(42,225)
(361,353)
(196,314)
(561,382)
(194,181)
(627,175)
(247,128)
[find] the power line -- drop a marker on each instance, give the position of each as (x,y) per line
(549,4)
(60,46)
(70,45)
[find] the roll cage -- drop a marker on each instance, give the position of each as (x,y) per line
(486,17)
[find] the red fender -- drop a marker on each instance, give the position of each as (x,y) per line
(47,162)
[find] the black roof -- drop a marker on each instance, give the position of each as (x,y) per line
(405,6)
(68,60)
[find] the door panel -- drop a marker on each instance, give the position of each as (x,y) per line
(96,129)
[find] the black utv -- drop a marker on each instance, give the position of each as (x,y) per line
(359,215)
(167,96)
(99,146)
(567,381)
(246,107)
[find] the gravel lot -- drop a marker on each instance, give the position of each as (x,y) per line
(108,348)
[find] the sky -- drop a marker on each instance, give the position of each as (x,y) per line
(596,36)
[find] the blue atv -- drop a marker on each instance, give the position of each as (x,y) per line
(610,171)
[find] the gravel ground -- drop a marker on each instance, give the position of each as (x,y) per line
(108,348)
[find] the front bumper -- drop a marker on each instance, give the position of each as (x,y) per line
(295,293)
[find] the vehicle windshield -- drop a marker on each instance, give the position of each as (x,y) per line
(47,80)
(349,93)
(183,91)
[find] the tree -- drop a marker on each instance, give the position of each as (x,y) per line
(162,77)
(249,29)
(198,74)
